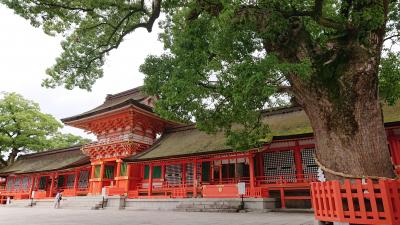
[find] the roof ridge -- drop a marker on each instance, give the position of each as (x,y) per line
(51,151)
(281,110)
(266,112)
(182,128)
(124,93)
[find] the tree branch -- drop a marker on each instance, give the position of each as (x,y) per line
(284,89)
(156,9)
(3,162)
(326,22)
(392,36)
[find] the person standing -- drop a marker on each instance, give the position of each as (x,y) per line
(57,199)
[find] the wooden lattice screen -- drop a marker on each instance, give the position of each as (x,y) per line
(26,183)
(173,174)
(70,181)
(279,165)
(83,179)
(189,173)
(310,167)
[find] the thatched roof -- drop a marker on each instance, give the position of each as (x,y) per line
(186,140)
(132,97)
(57,159)
(284,123)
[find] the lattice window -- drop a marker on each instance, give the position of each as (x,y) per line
(17,183)
(173,174)
(189,173)
(83,179)
(10,182)
(70,181)
(25,183)
(42,183)
(60,181)
(109,172)
(310,167)
(279,165)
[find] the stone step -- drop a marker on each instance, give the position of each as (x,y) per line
(19,203)
(73,203)
(199,206)
(207,210)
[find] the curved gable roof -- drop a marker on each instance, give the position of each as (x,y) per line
(47,161)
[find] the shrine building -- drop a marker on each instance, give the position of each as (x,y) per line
(139,155)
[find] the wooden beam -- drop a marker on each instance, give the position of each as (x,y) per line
(150,187)
(194,178)
(252,180)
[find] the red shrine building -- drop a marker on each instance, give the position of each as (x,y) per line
(139,155)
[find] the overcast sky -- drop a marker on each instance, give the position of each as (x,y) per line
(26,52)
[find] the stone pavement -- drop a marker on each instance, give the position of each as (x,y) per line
(44,216)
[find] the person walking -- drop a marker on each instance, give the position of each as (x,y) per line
(57,199)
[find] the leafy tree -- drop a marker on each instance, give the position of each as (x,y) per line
(224,60)
(62,140)
(23,128)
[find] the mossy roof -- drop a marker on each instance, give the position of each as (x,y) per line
(183,141)
(285,122)
(51,160)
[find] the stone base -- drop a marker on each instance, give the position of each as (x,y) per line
(317,222)
(200,204)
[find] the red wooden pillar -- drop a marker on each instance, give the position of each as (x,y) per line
(119,162)
(128,174)
(194,178)
(282,193)
(212,171)
(220,172)
(118,173)
(91,177)
(150,187)
(33,179)
(163,171)
(251,168)
(393,147)
(237,178)
(52,177)
(102,170)
(298,162)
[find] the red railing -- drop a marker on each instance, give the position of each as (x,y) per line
(357,203)
(286,179)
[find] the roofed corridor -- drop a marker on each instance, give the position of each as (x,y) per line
(140,155)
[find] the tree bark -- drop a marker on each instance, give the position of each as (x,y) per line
(12,156)
(346,116)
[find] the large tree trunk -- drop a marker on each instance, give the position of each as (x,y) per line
(12,156)
(345,113)
(353,144)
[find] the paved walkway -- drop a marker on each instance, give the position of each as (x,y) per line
(42,216)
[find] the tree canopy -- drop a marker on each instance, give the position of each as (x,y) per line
(24,129)
(226,61)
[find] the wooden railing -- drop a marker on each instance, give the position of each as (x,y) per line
(358,203)
(286,179)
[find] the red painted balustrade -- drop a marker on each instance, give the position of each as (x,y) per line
(357,203)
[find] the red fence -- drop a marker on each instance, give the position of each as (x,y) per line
(357,203)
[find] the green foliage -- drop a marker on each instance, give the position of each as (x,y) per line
(225,60)
(389,78)
(23,128)
(61,140)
